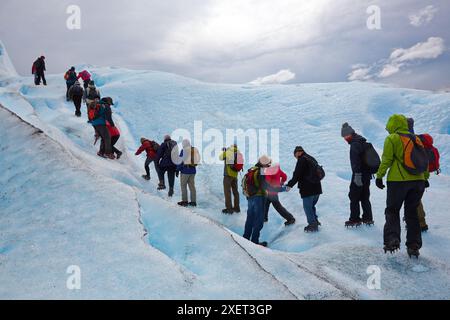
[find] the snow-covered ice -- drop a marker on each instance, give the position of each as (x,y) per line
(61,205)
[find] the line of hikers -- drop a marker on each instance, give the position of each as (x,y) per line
(407,160)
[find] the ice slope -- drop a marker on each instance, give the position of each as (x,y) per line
(7,69)
(200,253)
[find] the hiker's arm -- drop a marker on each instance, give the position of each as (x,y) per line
(355,157)
(109,116)
(139,151)
(387,159)
(296,175)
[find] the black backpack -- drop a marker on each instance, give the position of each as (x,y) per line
(316,171)
(170,145)
(371,158)
(77,90)
(92,94)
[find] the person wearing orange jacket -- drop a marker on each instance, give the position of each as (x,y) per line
(275,177)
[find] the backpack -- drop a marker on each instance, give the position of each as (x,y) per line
(168,153)
(94,110)
(432,153)
(238,164)
(76,90)
(316,171)
(371,158)
(155,145)
(194,158)
(249,188)
(92,94)
(66,75)
(415,158)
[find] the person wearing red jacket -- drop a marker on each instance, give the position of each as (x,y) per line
(86,77)
(275,177)
(115,135)
(149,147)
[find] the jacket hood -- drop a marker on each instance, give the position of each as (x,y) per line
(397,123)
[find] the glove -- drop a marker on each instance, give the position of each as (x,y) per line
(357,179)
(427,184)
(177,173)
(379,183)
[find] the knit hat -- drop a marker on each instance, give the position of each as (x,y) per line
(265,160)
(167,137)
(143,140)
(346,130)
(72,68)
(298,149)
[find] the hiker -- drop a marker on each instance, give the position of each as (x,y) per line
(254,186)
(361,176)
(91,94)
(97,118)
(70,76)
(165,163)
(114,133)
(275,177)
(309,184)
(150,147)
(233,163)
(408,170)
(39,71)
(190,158)
(420,210)
(86,77)
(76,95)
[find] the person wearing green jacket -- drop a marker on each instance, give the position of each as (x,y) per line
(230,183)
(403,188)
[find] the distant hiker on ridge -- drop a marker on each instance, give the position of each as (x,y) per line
(38,70)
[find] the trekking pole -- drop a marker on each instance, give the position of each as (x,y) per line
(96,139)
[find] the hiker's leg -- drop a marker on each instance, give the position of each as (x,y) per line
(412,202)
(227,192)
(183,183)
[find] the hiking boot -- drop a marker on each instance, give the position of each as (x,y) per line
(227,211)
(289,222)
(352,224)
(368,222)
(236,210)
(110,156)
(263,244)
(161,187)
(183,203)
(318,222)
(266,220)
(146,177)
(413,251)
(311,228)
(424,228)
(101,154)
(77,113)
(170,194)
(192,204)
(392,246)
(119,154)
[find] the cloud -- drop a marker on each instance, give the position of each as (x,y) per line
(360,73)
(281,76)
(423,17)
(399,59)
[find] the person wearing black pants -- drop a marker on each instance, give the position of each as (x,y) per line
(410,193)
(275,201)
(360,184)
(39,71)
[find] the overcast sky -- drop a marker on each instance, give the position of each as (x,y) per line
(239,41)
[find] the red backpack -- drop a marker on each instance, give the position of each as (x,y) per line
(238,164)
(94,110)
(432,152)
(250,182)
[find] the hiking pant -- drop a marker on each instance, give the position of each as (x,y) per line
(230,185)
(359,195)
(309,205)
(113,142)
(86,84)
(275,201)
(77,103)
(38,76)
(255,218)
(170,176)
(410,194)
(421,214)
(147,167)
(188,180)
(105,145)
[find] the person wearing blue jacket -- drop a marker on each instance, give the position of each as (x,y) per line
(165,161)
(189,158)
(97,118)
